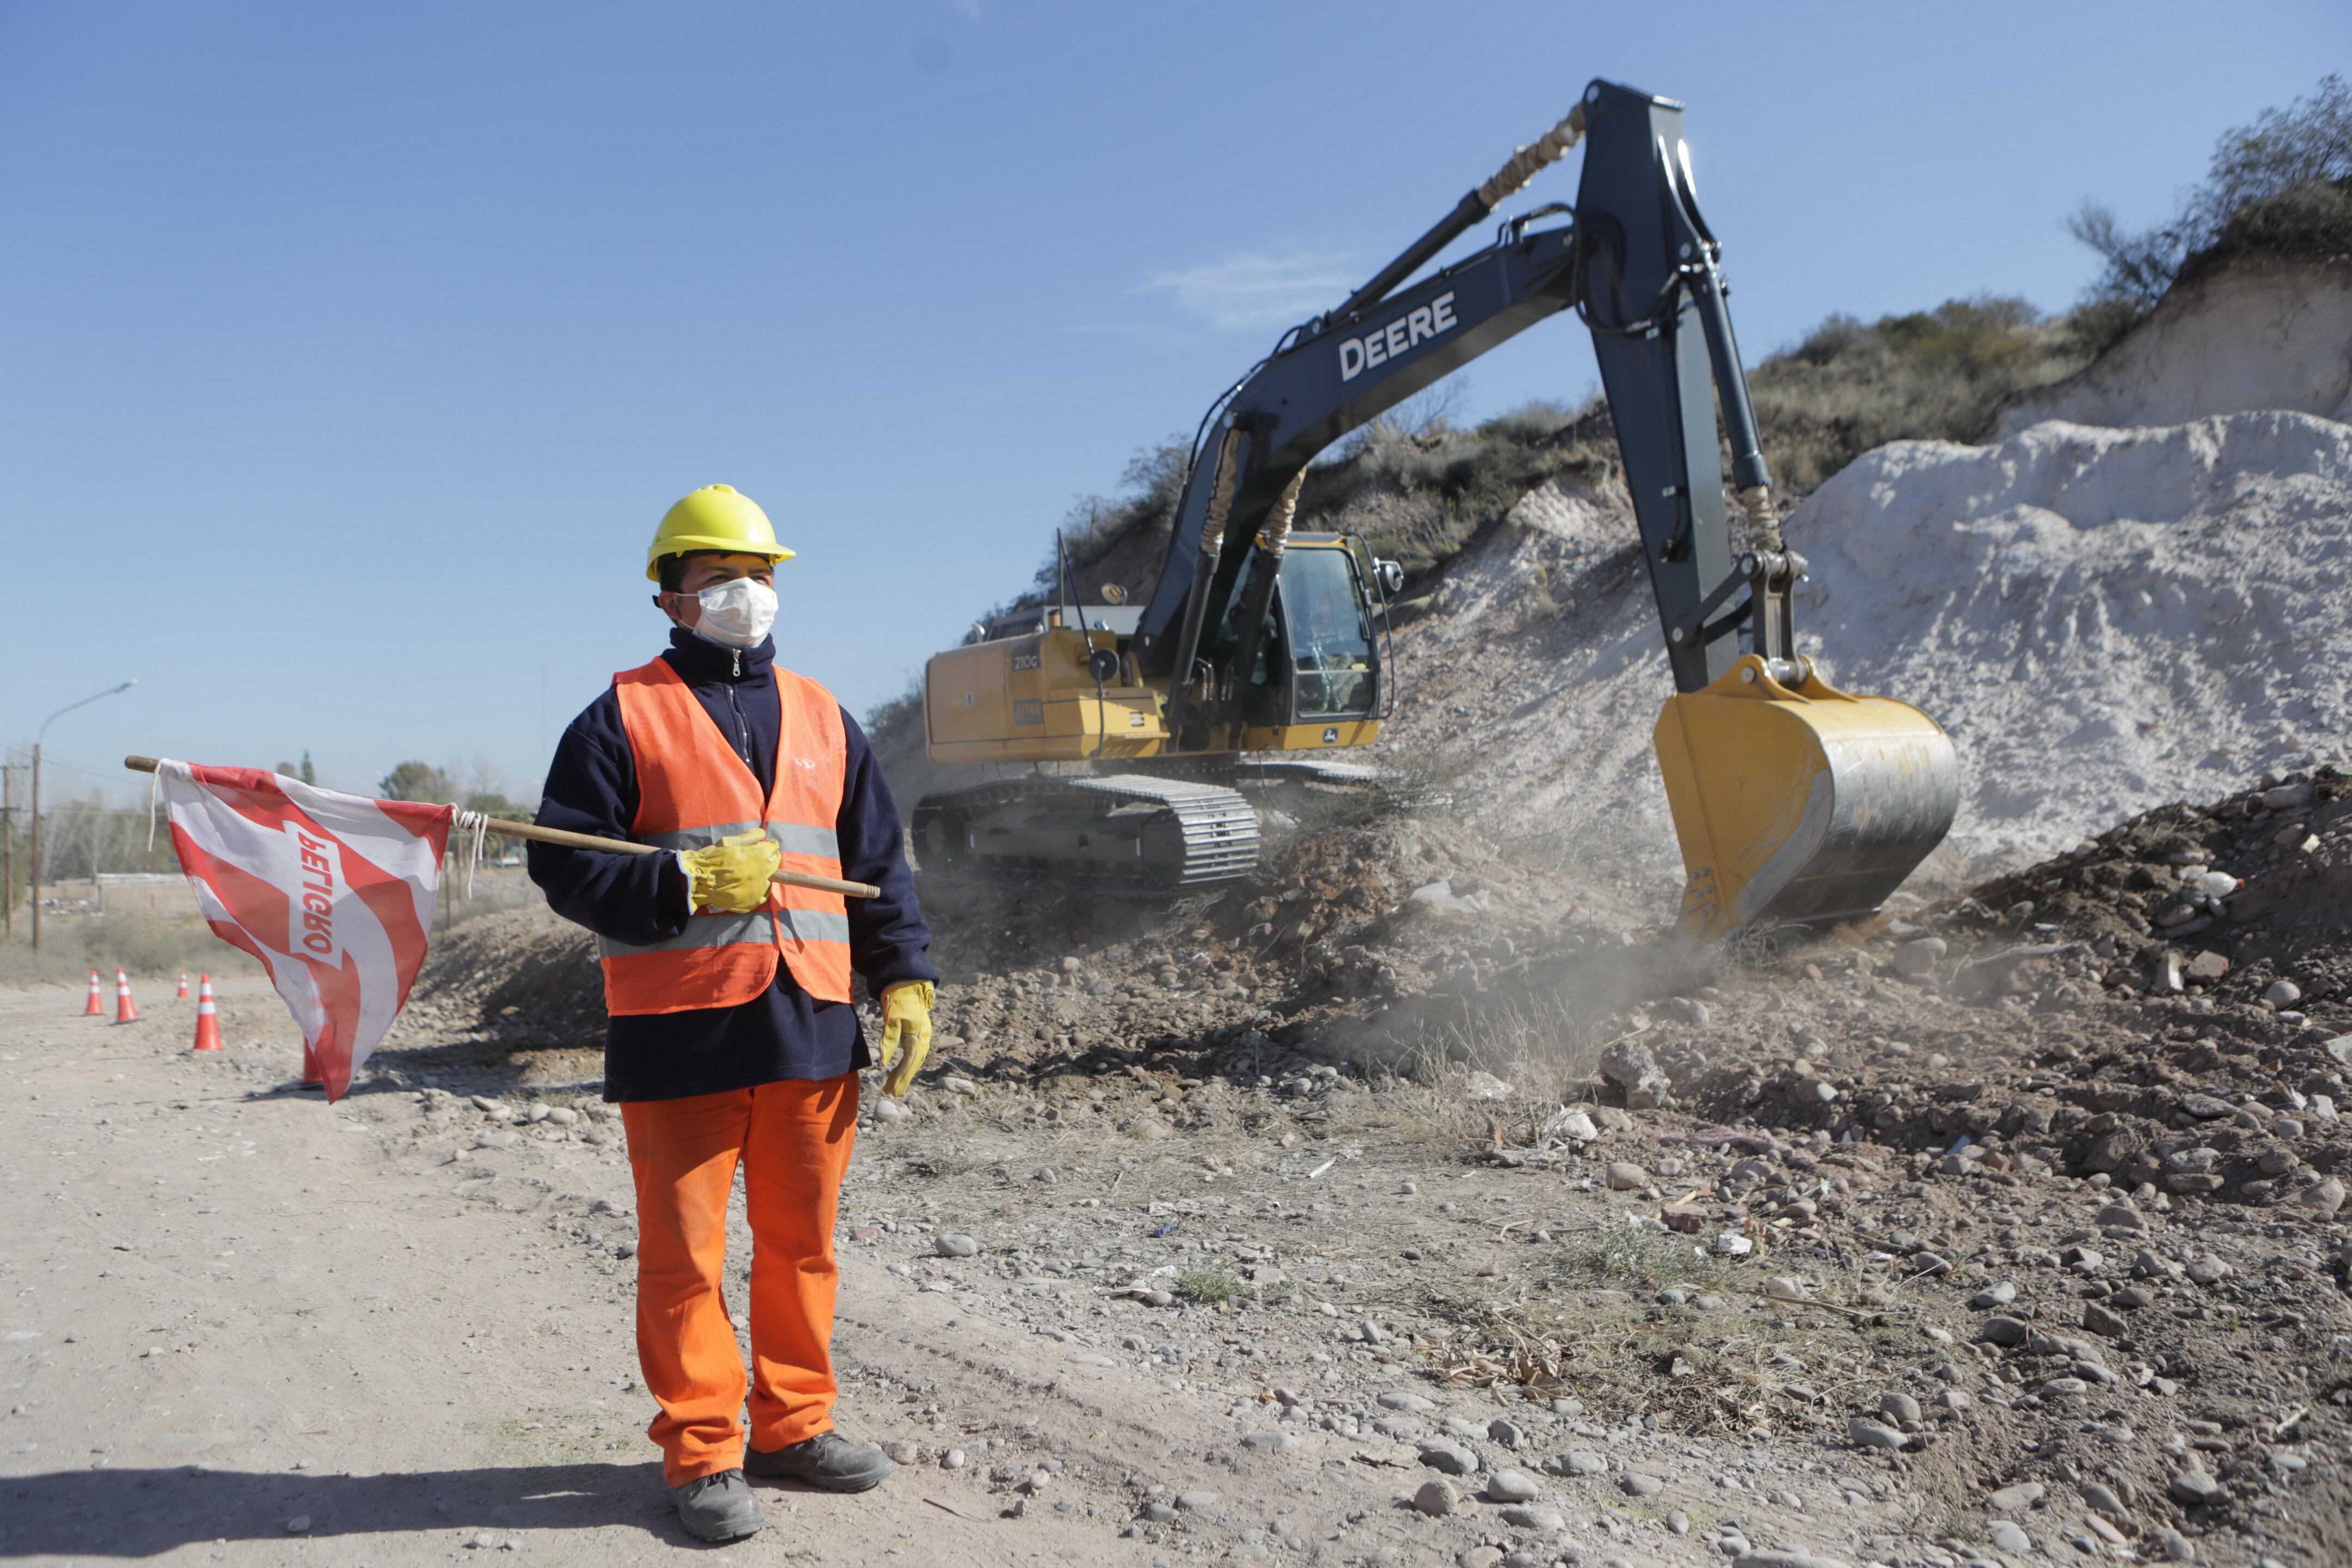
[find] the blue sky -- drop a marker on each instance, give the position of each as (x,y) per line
(349,354)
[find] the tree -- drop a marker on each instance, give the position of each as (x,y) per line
(2298,157)
(416,781)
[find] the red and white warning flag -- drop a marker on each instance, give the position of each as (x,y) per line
(332,892)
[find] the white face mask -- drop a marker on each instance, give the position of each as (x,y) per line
(735,614)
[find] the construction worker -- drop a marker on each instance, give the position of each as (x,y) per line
(731,1038)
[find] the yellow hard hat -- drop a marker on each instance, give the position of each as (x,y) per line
(714,517)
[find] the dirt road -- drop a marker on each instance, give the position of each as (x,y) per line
(1152,1312)
(243,1326)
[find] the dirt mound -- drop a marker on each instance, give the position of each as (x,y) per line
(2247,901)
(528,976)
(2258,334)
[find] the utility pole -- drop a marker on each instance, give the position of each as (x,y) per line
(8,852)
(38,737)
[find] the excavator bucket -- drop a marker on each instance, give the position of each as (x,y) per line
(1799,806)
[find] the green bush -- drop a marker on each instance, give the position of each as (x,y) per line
(1931,374)
(891,717)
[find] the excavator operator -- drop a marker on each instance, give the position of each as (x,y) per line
(732,1040)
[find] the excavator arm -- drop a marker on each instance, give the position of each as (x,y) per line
(1793,801)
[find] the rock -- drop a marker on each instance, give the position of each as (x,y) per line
(1434,1497)
(1575,1124)
(902,1452)
(2286,797)
(2131,1297)
(1784,1560)
(2082,1260)
(2322,1198)
(1512,1486)
(1633,1483)
(494,1107)
(498,1138)
(1916,957)
(2194,1488)
(2205,1107)
(1902,1406)
(950,1245)
(1519,1515)
(954,1460)
(1870,1434)
(1999,1295)
(1449,1459)
(1481,1557)
(1785,1287)
(1627,1066)
(1506,1433)
(1400,1399)
(2205,968)
(1929,1264)
(1954,1399)
(889,1110)
(1485,1086)
(1624,1176)
(562,1115)
(1581,1462)
(2101,1496)
(1195,1500)
(2209,1270)
(2100,1321)
(2120,1216)
(299,1525)
(2283,994)
(2175,1546)
(2016,1499)
(2005,1534)
(957,1084)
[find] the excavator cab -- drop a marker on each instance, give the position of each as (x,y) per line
(1315,666)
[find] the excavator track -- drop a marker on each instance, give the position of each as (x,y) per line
(1398,790)
(1120,833)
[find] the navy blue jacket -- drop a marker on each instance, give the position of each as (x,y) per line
(592,787)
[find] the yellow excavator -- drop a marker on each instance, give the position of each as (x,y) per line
(1263,650)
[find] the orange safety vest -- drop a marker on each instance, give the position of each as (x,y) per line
(693,791)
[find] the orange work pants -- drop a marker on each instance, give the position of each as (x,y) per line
(792,1139)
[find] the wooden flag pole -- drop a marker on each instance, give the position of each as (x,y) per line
(614,847)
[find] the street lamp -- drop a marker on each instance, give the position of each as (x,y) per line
(38,737)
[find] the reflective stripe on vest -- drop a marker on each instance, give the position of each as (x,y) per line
(693,791)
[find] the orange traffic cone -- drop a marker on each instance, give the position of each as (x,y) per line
(207,1022)
(183,987)
(124,1013)
(93,1010)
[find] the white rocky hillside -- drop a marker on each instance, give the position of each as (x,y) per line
(2103,620)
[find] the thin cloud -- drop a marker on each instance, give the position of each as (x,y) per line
(1258,291)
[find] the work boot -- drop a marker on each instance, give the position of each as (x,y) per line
(718,1507)
(828,1459)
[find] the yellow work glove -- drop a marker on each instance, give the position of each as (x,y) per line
(732,874)
(905,1020)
